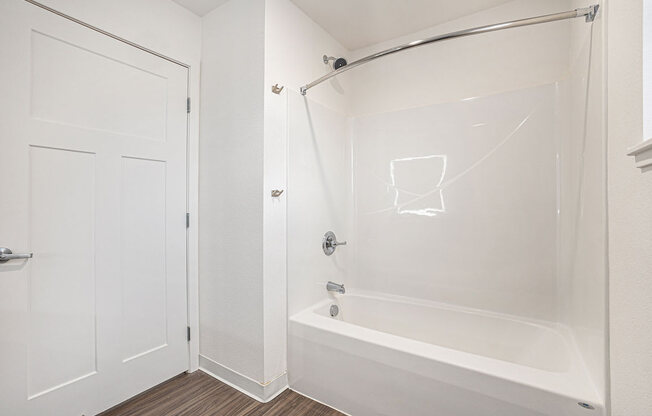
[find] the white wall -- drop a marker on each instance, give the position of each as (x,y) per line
(647,68)
(484,66)
(145,22)
(457,202)
(231,189)
(461,68)
(244,143)
(630,219)
(314,128)
(319,200)
(294,45)
(583,233)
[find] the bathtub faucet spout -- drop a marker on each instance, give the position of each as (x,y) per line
(334,287)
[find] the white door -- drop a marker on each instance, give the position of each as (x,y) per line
(93,182)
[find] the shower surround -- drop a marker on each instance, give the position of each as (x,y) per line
(475,221)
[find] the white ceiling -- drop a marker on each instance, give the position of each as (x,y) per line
(200,7)
(359,23)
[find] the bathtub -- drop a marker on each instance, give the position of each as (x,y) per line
(386,355)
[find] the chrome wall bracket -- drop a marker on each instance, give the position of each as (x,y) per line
(590,12)
(276,193)
(276,89)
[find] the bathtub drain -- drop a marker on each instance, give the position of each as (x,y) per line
(334,310)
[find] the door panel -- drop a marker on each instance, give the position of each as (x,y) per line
(93,161)
(64,72)
(61,278)
(144,303)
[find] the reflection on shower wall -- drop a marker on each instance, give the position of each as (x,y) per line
(457,202)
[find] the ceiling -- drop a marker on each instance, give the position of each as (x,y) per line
(359,23)
(200,7)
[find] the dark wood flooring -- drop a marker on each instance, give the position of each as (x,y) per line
(199,394)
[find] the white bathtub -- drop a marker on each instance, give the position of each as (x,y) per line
(385,355)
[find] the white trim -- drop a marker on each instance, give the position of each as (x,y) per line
(262,392)
(319,401)
(192,201)
(642,155)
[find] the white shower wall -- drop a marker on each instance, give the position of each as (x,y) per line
(476,175)
(457,202)
(583,198)
(473,66)
(319,199)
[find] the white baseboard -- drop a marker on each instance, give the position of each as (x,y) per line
(252,388)
(319,401)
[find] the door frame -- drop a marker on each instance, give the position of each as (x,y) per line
(192,181)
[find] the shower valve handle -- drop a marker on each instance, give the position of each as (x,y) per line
(329,243)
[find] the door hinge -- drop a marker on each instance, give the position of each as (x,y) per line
(188,333)
(187,220)
(188,105)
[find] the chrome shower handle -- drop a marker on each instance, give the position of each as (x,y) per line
(6,255)
(329,243)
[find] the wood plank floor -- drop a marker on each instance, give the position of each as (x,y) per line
(199,394)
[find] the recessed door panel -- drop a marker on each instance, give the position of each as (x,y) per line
(128,100)
(62,342)
(144,279)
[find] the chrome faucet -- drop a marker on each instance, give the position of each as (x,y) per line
(334,287)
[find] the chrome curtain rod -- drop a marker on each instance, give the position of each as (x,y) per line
(589,12)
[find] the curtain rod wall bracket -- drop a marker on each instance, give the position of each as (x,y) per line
(589,13)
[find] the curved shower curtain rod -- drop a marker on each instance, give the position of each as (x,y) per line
(589,12)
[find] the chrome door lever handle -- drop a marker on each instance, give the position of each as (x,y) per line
(6,255)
